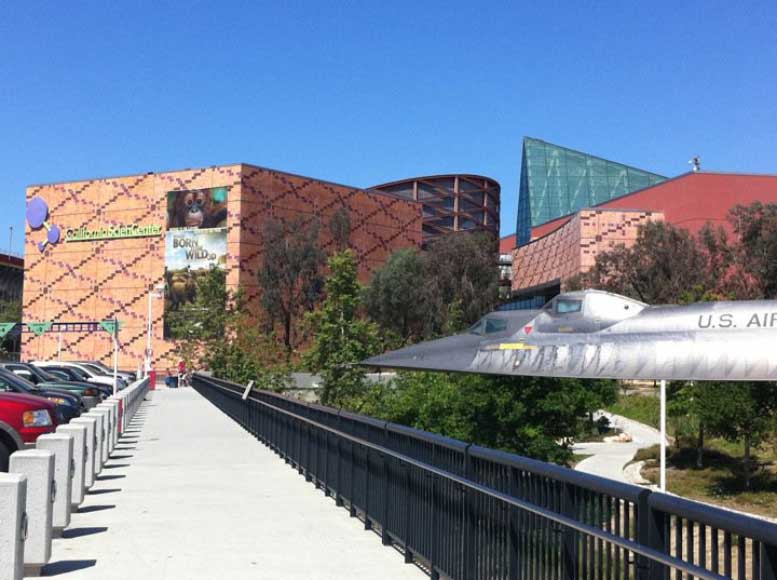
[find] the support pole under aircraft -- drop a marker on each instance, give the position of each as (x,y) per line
(662,420)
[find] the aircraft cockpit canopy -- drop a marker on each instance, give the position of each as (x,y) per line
(585,311)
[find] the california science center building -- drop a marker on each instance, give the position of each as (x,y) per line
(130,249)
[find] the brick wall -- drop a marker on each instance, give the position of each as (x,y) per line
(96,280)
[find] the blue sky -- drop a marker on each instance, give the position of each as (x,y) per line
(366,92)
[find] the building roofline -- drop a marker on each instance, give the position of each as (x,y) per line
(242,164)
(440,176)
(103,177)
(625,195)
(571,216)
(592,155)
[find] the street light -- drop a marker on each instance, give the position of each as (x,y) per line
(157,291)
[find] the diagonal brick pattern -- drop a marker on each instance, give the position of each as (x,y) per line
(87,281)
(572,248)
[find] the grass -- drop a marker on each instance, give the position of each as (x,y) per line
(577,458)
(720,481)
(642,408)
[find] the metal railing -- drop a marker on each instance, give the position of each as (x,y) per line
(468,512)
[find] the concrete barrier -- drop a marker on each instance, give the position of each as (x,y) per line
(61,445)
(78,483)
(38,466)
(13,525)
(113,405)
(107,436)
(99,435)
(90,464)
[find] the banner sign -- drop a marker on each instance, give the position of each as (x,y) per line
(195,243)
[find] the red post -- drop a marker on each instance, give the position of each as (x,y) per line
(152,380)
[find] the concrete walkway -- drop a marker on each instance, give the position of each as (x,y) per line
(192,496)
(610,459)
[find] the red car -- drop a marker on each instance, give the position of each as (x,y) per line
(22,419)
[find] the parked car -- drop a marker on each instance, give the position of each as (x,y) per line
(22,419)
(91,393)
(127,376)
(92,375)
(68,405)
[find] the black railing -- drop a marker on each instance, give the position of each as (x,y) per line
(467,512)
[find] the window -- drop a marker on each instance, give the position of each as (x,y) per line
(495,325)
(568,306)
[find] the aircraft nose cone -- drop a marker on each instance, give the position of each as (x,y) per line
(454,353)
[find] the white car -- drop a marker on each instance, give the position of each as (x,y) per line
(92,375)
(104,370)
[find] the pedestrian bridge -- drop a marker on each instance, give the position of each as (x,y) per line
(218,482)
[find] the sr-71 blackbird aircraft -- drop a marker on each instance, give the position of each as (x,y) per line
(598,335)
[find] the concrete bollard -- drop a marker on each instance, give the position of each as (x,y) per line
(106,413)
(99,430)
(13,525)
(112,415)
(113,405)
(38,466)
(61,444)
(78,484)
(90,465)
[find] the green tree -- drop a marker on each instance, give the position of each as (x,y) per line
(536,417)
(756,250)
(290,278)
(10,311)
(461,281)
(666,265)
(395,296)
(740,411)
(340,229)
(203,320)
(341,337)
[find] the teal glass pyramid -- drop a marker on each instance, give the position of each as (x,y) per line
(557,181)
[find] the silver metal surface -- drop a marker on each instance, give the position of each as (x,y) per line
(599,335)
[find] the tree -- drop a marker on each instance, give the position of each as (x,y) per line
(340,229)
(290,278)
(666,265)
(460,282)
(340,337)
(532,416)
(10,311)
(740,411)
(395,296)
(756,250)
(196,323)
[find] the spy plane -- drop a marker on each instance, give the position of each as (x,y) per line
(600,335)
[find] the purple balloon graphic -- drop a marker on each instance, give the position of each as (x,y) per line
(37,211)
(41,246)
(54,234)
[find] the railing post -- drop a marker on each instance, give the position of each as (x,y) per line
(338,495)
(469,520)
(385,537)
(648,534)
(408,553)
(768,562)
(569,536)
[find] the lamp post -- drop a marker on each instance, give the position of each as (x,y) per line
(157,291)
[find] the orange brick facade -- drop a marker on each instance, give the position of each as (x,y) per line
(97,280)
(573,247)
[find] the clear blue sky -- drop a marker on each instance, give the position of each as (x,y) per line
(366,92)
